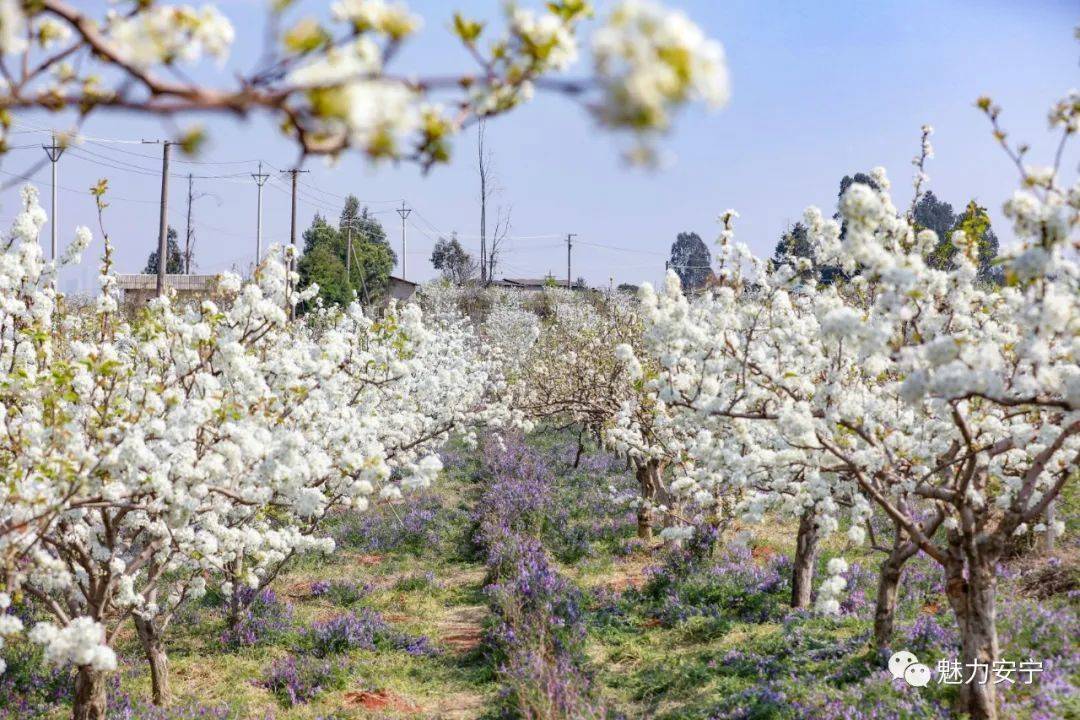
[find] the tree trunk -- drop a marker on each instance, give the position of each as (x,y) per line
(90,694)
(888,586)
(885,606)
(154,649)
(1049,538)
(806,547)
(580,450)
(234,595)
(648,477)
(973,602)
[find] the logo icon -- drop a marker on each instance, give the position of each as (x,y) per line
(900,661)
(917,675)
(904,664)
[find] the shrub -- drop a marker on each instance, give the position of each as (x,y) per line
(420,524)
(343,633)
(264,621)
(294,681)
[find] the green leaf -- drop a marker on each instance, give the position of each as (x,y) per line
(467,30)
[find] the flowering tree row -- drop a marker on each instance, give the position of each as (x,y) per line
(565,357)
(145,458)
(148,457)
(948,405)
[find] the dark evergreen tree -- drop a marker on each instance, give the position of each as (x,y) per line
(691,260)
(795,244)
(975,222)
(174,265)
(934,214)
(859,177)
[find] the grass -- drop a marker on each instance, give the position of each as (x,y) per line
(698,647)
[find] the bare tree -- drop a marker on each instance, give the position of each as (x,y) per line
(483,163)
(498,237)
(489,254)
(189,236)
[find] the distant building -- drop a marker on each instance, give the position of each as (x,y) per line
(536,284)
(400,289)
(140,289)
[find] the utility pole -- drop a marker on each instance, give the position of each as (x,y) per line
(348,254)
(569,245)
(348,262)
(403,211)
(163,225)
(54,152)
(260,180)
(188,238)
(292,236)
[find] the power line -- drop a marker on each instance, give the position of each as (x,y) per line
(105,154)
(623,249)
(30,178)
(316,188)
(48,131)
(81,137)
(125,166)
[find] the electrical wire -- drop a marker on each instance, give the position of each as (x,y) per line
(309,194)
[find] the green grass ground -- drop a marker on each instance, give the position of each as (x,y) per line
(696,648)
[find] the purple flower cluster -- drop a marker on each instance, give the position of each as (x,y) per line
(519,494)
(419,525)
(343,633)
(296,680)
(52,687)
(876,696)
(929,634)
(264,620)
(365,630)
(733,587)
(537,636)
(1046,630)
(857,600)
(29,687)
(123,707)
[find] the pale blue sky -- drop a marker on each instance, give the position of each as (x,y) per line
(819,90)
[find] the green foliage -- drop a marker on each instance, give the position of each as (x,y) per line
(690,259)
(468,30)
(324,260)
(457,265)
(175,263)
(322,265)
(933,214)
(975,223)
